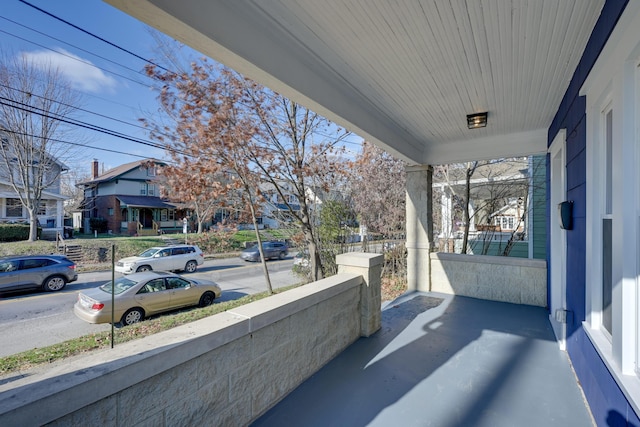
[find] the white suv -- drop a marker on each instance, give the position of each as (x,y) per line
(173,258)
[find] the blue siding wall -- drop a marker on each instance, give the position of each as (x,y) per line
(608,404)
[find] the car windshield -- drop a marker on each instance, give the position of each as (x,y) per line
(149,253)
(122,284)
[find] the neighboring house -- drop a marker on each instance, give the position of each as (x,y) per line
(505,195)
(128,198)
(276,211)
(51,212)
(559,78)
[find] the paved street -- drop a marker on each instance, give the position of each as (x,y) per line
(38,319)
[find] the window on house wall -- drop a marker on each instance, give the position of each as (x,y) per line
(13,208)
(163,215)
(143,189)
(607,222)
(42,209)
(151,171)
(612,270)
(151,190)
(110,211)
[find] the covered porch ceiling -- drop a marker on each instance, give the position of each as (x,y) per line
(401,74)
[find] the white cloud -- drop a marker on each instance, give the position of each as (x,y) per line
(80,72)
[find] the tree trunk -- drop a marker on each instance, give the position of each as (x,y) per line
(33,225)
(315,261)
(260,250)
(467,220)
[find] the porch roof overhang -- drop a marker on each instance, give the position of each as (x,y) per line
(401,75)
(144,202)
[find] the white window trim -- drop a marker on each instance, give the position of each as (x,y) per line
(614,81)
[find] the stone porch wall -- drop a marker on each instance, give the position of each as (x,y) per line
(514,280)
(227,369)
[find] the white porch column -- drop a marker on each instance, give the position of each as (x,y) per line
(472,216)
(419,226)
(446,213)
(60,215)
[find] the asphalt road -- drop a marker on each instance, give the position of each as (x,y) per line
(38,319)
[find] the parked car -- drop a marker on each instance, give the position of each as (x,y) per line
(271,250)
(302,258)
(140,295)
(172,258)
(48,272)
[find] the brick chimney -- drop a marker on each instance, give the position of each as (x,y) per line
(94,169)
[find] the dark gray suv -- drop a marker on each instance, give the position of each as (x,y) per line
(270,249)
(48,272)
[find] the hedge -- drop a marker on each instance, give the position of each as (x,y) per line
(15,232)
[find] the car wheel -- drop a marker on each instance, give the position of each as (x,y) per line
(282,255)
(131,316)
(55,283)
(143,268)
(191,267)
(206,299)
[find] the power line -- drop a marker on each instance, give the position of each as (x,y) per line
(79,60)
(94,35)
(76,108)
(78,144)
(68,44)
(89,126)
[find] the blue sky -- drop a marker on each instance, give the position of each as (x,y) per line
(115,91)
(115,87)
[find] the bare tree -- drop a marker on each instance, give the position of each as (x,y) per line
(378,191)
(35,100)
(232,123)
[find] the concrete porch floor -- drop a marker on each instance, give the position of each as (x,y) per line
(443,360)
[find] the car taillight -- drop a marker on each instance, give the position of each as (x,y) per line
(97,306)
(73,267)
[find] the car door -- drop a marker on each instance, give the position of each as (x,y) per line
(268,250)
(10,275)
(154,296)
(178,258)
(162,260)
(182,293)
(33,271)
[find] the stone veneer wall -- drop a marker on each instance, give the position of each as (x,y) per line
(227,369)
(506,279)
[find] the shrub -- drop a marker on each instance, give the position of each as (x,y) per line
(14,232)
(98,224)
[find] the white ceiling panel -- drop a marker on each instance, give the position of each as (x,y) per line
(403,74)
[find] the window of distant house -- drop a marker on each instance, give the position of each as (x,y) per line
(505,222)
(167,215)
(4,142)
(13,208)
(143,188)
(110,211)
(151,171)
(151,190)
(42,209)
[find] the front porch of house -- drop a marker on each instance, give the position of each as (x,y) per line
(328,353)
(149,216)
(444,360)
